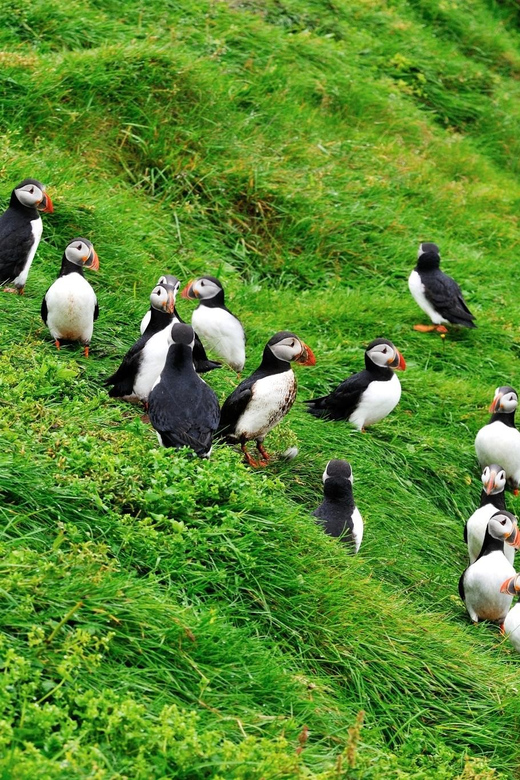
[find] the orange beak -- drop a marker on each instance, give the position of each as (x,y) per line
(491,483)
(189,292)
(45,204)
(509,586)
(514,539)
(169,304)
(398,362)
(307,357)
(495,403)
(93,261)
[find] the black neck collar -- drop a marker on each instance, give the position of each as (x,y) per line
(338,489)
(70,268)
(216,302)
(271,364)
(498,500)
(29,211)
(508,418)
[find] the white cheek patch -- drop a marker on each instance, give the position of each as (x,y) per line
(28,198)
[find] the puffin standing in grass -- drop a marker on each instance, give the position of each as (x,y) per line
(183,409)
(21,229)
(438,295)
(145,360)
(338,514)
(492,500)
(479,585)
(367,397)
(69,307)
(166,282)
(220,329)
(265,397)
(512,621)
(499,440)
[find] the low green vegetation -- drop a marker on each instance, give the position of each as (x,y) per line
(163,617)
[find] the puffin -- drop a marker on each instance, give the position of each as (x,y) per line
(367,397)
(200,359)
(512,621)
(499,440)
(264,398)
(437,294)
(479,585)
(183,409)
(69,307)
(220,329)
(338,514)
(21,229)
(492,499)
(166,281)
(145,360)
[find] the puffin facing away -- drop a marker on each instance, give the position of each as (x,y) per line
(20,232)
(479,585)
(499,440)
(265,397)
(183,409)
(69,307)
(338,514)
(220,329)
(512,621)
(367,397)
(492,500)
(437,294)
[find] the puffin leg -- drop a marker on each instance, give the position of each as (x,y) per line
(502,629)
(249,460)
(263,452)
(430,328)
(11,289)
(86,351)
(57,342)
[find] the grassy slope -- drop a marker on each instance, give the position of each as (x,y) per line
(300,151)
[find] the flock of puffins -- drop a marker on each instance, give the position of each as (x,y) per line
(161,370)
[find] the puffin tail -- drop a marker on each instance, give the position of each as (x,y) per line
(318,406)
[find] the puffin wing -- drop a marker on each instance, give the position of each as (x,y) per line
(234,406)
(446,297)
(123,379)
(200,360)
(340,404)
(96,311)
(16,239)
(44,311)
(461,586)
(186,419)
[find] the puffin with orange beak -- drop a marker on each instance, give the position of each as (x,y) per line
(499,440)
(21,229)
(263,399)
(367,397)
(69,307)
(492,500)
(512,621)
(479,585)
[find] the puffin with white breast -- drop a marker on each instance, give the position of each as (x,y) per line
(69,307)
(21,229)
(479,585)
(499,440)
(438,295)
(512,620)
(263,399)
(183,409)
(144,361)
(367,397)
(338,514)
(220,329)
(492,500)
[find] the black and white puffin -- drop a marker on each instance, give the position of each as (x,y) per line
(480,583)
(200,359)
(265,397)
(69,307)
(499,440)
(183,409)
(367,397)
(20,232)
(512,620)
(145,360)
(492,500)
(438,295)
(219,328)
(338,514)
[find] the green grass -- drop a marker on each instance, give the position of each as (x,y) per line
(168,618)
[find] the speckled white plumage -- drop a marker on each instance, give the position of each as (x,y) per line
(272,397)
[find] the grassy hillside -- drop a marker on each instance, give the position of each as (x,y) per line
(166,618)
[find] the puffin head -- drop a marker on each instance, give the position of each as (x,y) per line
(494,479)
(164,294)
(183,334)
(203,288)
(511,586)
(428,256)
(505,400)
(338,470)
(503,525)
(287,346)
(81,252)
(31,193)
(382,353)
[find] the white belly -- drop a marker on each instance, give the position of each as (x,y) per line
(357,531)
(417,289)
(482,583)
(221,331)
(37,229)
(512,626)
(70,308)
(152,363)
(272,398)
(476,530)
(145,321)
(376,402)
(498,443)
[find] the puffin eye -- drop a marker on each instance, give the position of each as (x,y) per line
(502,522)
(31,190)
